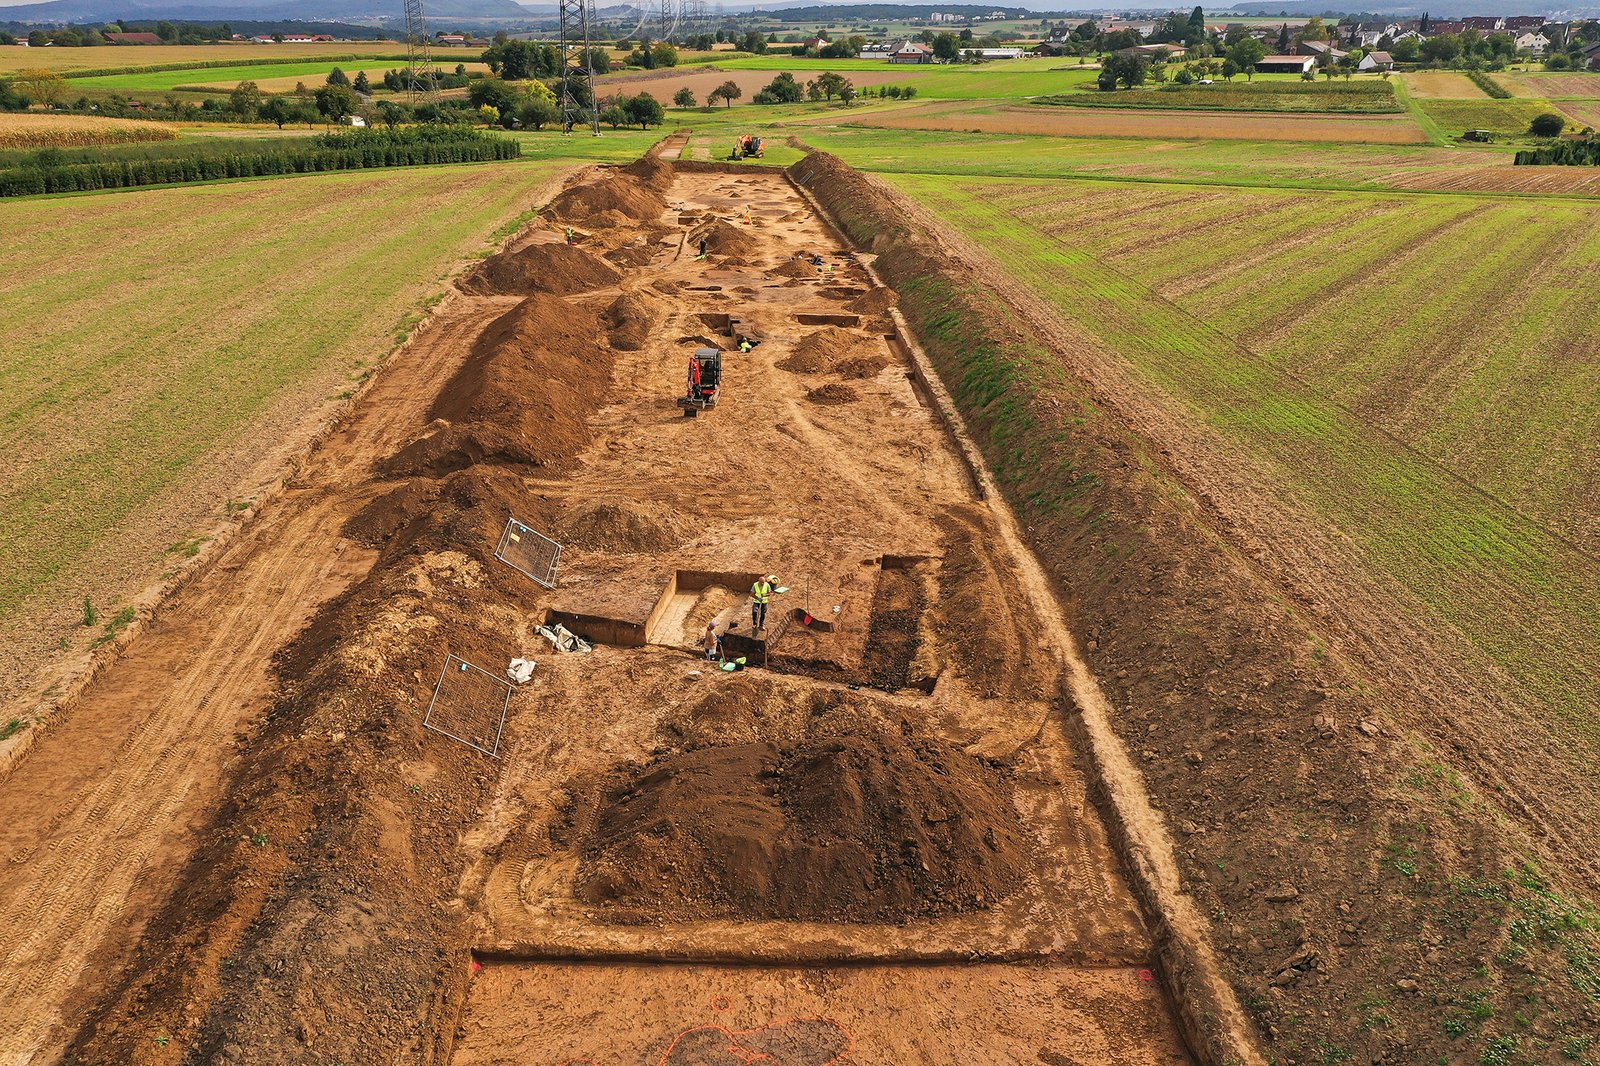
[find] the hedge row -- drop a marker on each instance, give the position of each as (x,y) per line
(1584,153)
(357,150)
(1489,85)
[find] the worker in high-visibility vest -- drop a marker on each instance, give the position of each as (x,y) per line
(760,592)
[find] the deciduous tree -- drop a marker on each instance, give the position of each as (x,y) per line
(336,102)
(245,100)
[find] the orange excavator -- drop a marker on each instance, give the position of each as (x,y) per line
(705,382)
(748,146)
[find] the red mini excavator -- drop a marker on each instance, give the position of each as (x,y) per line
(705,381)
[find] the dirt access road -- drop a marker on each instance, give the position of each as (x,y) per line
(879,849)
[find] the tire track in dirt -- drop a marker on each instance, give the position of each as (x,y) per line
(124,776)
(97,819)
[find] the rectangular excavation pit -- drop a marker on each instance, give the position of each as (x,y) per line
(614,609)
(845,292)
(623,1013)
(597,629)
(672,622)
(847,321)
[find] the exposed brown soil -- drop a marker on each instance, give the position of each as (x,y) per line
(522,394)
(874,302)
(861,821)
(631,319)
(724,238)
(622,526)
(820,352)
(795,268)
(550,267)
(832,395)
(349,861)
(895,630)
(1335,836)
(609,199)
(867,366)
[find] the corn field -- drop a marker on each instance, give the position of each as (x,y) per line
(76,131)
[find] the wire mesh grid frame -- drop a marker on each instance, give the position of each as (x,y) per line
(530,552)
(469,706)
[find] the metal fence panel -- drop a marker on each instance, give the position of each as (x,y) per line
(530,552)
(469,705)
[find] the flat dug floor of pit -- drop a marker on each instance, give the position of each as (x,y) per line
(880,849)
(632,1014)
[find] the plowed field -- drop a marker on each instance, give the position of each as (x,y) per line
(1456,452)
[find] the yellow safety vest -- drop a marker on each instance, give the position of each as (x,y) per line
(761,590)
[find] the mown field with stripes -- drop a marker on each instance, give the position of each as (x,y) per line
(1419,370)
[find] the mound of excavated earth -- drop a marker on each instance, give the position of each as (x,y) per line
(874,302)
(724,238)
(551,267)
(622,526)
(522,396)
(820,352)
(624,194)
(832,394)
(870,823)
(630,320)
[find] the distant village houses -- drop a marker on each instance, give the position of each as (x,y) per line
(291,38)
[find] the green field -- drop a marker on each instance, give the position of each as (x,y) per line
(157,81)
(1393,376)
(1265,164)
(145,331)
(1011,79)
(1508,118)
(1336,97)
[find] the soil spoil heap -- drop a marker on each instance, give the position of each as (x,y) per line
(623,527)
(630,319)
(867,823)
(861,366)
(832,395)
(621,193)
(795,268)
(549,267)
(724,238)
(874,302)
(521,396)
(822,351)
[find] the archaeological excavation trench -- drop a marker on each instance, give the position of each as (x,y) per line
(872,843)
